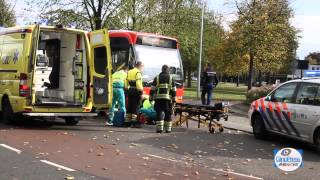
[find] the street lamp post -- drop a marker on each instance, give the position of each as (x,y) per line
(200,56)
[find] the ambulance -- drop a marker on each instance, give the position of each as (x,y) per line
(50,71)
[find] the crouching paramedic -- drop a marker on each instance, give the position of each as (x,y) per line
(118,83)
(163,92)
(134,89)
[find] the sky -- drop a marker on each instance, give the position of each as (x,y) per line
(306,19)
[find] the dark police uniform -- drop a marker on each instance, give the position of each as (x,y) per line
(209,80)
(163,91)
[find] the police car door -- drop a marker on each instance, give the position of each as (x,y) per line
(100,68)
(305,111)
(280,107)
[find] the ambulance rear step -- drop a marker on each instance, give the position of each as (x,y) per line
(60,114)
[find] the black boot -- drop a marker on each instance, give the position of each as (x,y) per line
(127,124)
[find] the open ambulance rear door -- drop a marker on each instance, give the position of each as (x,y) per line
(100,67)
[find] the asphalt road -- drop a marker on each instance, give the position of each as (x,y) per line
(95,151)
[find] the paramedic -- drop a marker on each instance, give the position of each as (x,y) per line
(118,98)
(134,93)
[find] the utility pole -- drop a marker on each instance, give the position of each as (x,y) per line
(200,56)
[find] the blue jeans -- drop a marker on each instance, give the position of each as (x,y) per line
(118,98)
(207,89)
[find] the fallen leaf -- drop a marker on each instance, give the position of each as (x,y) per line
(117,151)
(25,143)
(69,178)
(100,154)
(167,174)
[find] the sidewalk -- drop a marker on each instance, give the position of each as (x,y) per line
(238,117)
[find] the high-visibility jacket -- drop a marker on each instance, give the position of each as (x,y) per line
(163,87)
(118,79)
(134,79)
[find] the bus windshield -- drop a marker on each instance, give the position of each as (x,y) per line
(154,57)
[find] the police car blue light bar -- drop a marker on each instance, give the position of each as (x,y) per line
(312,73)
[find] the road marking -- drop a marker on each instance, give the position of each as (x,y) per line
(168,159)
(214,169)
(57,165)
(239,174)
(11,148)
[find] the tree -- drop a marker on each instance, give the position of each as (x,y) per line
(85,14)
(7,14)
(265,34)
(175,18)
(313,58)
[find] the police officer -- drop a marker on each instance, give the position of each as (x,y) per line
(163,92)
(118,83)
(209,81)
(134,90)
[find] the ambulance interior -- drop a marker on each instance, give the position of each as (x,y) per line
(60,76)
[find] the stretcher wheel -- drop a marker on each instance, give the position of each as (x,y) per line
(221,129)
(211,129)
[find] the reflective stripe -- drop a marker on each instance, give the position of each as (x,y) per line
(160,125)
(277,107)
(167,87)
(163,96)
(168,125)
(256,104)
(164,86)
(263,106)
(284,105)
(270,106)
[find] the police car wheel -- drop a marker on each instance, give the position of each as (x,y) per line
(317,140)
(259,130)
(7,115)
(71,121)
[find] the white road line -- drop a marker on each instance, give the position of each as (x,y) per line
(11,148)
(57,165)
(159,157)
(239,174)
(214,169)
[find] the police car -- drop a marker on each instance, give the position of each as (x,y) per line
(292,109)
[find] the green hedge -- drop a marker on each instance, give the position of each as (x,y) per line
(258,92)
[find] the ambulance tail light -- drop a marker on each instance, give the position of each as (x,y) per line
(24,90)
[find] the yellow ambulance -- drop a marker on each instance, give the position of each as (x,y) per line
(53,71)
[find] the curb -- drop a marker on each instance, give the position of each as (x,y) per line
(235,129)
